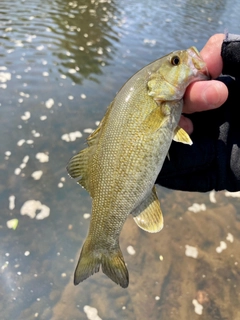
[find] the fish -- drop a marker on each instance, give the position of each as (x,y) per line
(125,154)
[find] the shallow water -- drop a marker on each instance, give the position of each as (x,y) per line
(61,64)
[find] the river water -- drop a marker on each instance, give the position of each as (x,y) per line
(61,64)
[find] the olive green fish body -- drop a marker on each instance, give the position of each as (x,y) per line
(126,153)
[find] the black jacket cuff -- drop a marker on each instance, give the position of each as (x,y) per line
(231,55)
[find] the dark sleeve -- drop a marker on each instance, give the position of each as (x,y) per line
(231,55)
(213,161)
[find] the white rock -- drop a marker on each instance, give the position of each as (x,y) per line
(22,165)
(65,137)
(20,142)
(92,313)
(17,171)
(88,130)
(49,103)
(44,212)
(191,251)
(11,202)
(36,175)
(74,135)
(222,247)
(232,194)
(212,196)
(131,250)
(230,238)
(26,115)
(30,208)
(42,157)
(25,159)
(71,136)
(198,308)
(197,207)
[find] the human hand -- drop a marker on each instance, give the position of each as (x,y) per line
(206,95)
(212,162)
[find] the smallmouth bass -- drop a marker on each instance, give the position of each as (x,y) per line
(126,153)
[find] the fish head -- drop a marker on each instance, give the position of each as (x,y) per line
(174,73)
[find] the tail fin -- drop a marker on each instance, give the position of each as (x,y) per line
(112,263)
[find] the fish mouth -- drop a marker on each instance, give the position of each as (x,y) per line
(199,65)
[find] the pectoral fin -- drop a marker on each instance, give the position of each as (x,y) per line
(181,135)
(148,215)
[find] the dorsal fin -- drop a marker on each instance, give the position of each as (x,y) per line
(92,138)
(78,167)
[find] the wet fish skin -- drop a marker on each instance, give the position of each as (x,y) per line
(126,153)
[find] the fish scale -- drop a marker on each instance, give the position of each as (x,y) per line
(126,153)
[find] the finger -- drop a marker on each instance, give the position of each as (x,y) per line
(211,54)
(186,124)
(204,95)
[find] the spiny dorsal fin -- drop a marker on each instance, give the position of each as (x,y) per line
(148,216)
(78,167)
(78,164)
(180,135)
(92,138)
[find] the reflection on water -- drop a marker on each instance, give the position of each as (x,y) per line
(86,32)
(61,63)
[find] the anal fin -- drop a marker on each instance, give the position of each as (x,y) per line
(148,215)
(77,167)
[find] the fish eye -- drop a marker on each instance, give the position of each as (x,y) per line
(175,60)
